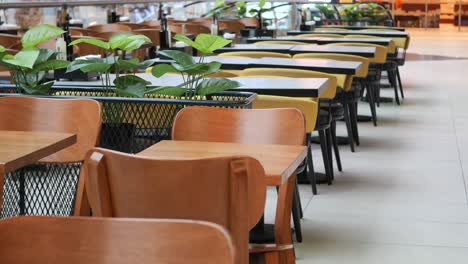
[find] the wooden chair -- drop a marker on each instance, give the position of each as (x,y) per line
(78,116)
(232,26)
(76,31)
(189,28)
(10,41)
(250,22)
(279,126)
(152,23)
(58,240)
(228,191)
(116,27)
(134,26)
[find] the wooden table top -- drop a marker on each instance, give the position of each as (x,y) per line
(294,87)
(20,148)
(279,161)
(388,34)
(321,41)
(367,52)
(361,27)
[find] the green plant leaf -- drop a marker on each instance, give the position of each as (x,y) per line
(130,85)
(184,39)
(240,4)
(127,41)
(128,65)
(89,66)
(39,34)
(203,68)
(2,49)
(94,42)
(214,85)
(262,3)
(219,3)
(168,90)
(253,11)
(24,59)
(45,55)
(50,65)
(40,89)
(207,43)
(182,58)
(161,69)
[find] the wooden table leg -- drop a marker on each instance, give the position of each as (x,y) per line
(283,219)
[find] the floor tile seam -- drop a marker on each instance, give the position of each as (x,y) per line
(459,152)
(389,244)
(393,220)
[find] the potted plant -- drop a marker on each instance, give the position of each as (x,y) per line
(257,12)
(115,130)
(31,64)
(194,73)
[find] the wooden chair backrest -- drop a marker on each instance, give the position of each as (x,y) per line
(232,26)
(10,41)
(189,28)
(83,49)
(109,28)
(152,23)
(250,22)
(76,31)
(229,191)
(79,240)
(251,126)
(134,26)
(79,116)
(107,35)
(151,33)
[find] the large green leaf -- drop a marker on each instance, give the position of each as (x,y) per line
(184,39)
(214,85)
(161,69)
(130,85)
(45,55)
(168,90)
(2,49)
(207,43)
(182,58)
(94,42)
(262,3)
(219,3)
(128,65)
(51,65)
(127,41)
(201,68)
(24,59)
(39,89)
(89,66)
(39,34)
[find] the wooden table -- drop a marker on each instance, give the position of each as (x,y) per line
(294,87)
(20,148)
(279,161)
(367,52)
(322,41)
(383,34)
(362,27)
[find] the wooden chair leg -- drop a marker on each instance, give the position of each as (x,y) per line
(283,219)
(296,215)
(272,257)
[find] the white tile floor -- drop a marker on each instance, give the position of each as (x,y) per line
(402,196)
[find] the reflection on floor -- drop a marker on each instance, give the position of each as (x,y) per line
(401,198)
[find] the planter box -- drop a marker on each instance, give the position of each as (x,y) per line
(129,125)
(133,124)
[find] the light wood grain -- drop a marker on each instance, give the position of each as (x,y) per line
(77,240)
(279,161)
(229,191)
(20,148)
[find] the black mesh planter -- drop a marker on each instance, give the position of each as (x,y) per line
(129,125)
